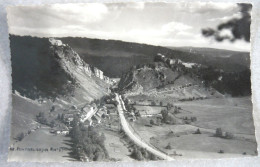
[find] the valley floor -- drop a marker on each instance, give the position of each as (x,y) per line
(230,114)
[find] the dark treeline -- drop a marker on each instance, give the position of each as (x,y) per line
(233,83)
(88,144)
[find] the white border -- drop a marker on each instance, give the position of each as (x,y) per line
(5,90)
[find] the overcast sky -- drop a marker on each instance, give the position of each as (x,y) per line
(165,24)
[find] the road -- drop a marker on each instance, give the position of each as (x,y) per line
(129,133)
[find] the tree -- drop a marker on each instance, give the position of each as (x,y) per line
(221,151)
(99,156)
(144,153)
(58,117)
(153,157)
(62,117)
(193,119)
(169,106)
(101,139)
(176,110)
(240,28)
(218,132)
(229,135)
(139,155)
(20,136)
(169,147)
(41,118)
(161,103)
(197,131)
(164,115)
(52,109)
(171,119)
(158,121)
(137,114)
(52,124)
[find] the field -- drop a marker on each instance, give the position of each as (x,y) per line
(54,148)
(230,114)
(116,148)
(148,110)
(204,143)
(24,114)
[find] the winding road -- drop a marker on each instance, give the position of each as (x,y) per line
(129,133)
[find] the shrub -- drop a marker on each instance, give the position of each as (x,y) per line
(229,135)
(153,103)
(153,157)
(20,136)
(158,121)
(41,118)
(193,119)
(164,115)
(221,151)
(137,154)
(152,122)
(168,146)
(145,153)
(197,131)
(169,106)
(219,132)
(161,103)
(187,121)
(172,120)
(52,124)
(52,109)
(176,110)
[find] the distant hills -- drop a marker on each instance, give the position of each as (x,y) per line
(117,57)
(223,57)
(37,69)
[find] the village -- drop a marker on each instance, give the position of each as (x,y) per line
(92,114)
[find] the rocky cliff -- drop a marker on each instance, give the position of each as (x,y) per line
(47,68)
(71,61)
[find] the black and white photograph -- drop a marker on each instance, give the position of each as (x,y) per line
(131,81)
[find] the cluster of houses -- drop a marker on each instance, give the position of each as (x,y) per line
(60,129)
(174,63)
(54,41)
(162,58)
(92,115)
(89,115)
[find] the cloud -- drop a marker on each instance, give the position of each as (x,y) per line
(130,5)
(226,18)
(166,24)
(175,27)
(57,15)
(89,12)
(208,7)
